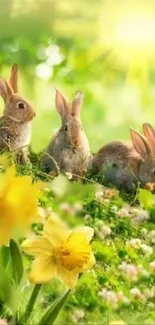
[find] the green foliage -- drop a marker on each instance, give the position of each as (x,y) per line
(5,290)
(146,198)
(17,262)
(72,45)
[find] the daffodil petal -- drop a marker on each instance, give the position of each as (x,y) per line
(70,278)
(55,230)
(4,237)
(88,232)
(43,270)
(37,245)
(90,263)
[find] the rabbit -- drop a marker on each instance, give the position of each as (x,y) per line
(124,164)
(69,150)
(15,126)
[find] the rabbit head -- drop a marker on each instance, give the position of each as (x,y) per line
(16,107)
(71,129)
(145,149)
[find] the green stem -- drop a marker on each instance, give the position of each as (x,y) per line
(29,308)
(53,312)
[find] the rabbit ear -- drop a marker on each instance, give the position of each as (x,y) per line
(76,105)
(140,143)
(61,104)
(5,90)
(150,135)
(13,81)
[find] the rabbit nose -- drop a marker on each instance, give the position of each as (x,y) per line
(150,186)
(76,142)
(34,114)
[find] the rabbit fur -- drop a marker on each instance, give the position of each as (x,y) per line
(15,126)
(69,150)
(124,164)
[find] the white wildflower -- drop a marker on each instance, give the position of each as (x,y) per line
(148,293)
(88,218)
(66,208)
(126,300)
(106,230)
(135,292)
(123,213)
(144,231)
(77,207)
(122,298)
(151,306)
(142,216)
(145,273)
(77,315)
(134,212)
(135,243)
(106,201)
(130,270)
(114,209)
(152,265)
(151,236)
(102,230)
(69,175)
(146,249)
(99,196)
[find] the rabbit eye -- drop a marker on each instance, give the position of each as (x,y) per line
(153,171)
(21,105)
(66,128)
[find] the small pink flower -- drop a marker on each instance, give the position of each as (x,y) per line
(123,213)
(110,297)
(135,292)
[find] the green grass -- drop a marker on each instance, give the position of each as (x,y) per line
(121,285)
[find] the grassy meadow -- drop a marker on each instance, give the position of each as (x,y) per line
(105,48)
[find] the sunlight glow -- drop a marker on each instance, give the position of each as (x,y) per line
(136,30)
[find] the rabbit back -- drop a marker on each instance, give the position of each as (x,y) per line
(117,163)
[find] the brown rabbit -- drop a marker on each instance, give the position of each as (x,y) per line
(15,126)
(69,150)
(124,164)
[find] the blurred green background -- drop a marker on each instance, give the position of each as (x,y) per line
(106,48)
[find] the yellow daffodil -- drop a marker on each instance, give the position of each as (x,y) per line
(6,160)
(60,252)
(18,202)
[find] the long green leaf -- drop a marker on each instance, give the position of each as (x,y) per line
(6,291)
(17,262)
(52,313)
(5,256)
